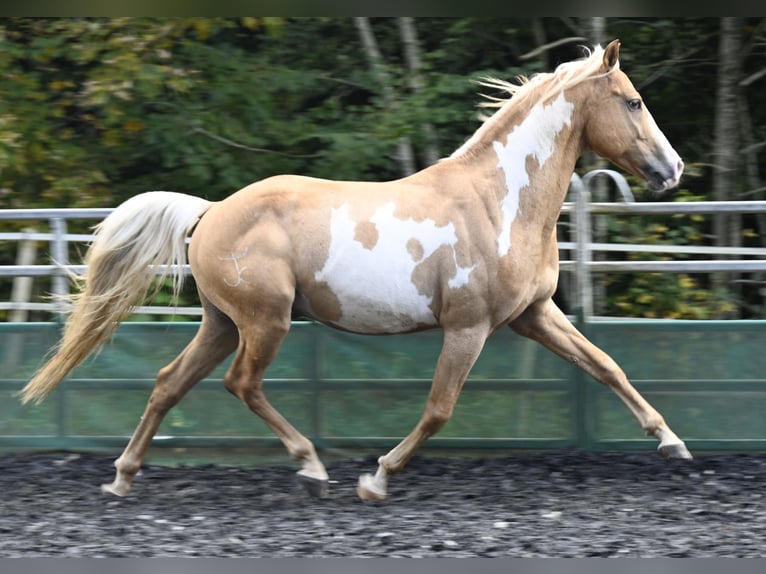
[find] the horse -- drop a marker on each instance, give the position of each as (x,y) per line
(467,245)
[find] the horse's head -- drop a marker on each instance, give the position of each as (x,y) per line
(621,129)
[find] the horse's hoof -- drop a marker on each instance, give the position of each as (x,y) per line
(368,490)
(675,450)
(113,489)
(316,487)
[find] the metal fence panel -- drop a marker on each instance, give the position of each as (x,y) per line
(577,255)
(348,391)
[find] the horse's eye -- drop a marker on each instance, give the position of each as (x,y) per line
(634,105)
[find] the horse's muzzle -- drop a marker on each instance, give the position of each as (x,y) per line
(665,179)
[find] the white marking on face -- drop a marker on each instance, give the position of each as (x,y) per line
(375,286)
(535,136)
(668,155)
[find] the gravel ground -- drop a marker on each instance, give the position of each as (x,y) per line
(552,504)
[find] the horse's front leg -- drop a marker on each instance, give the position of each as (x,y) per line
(460,349)
(544,322)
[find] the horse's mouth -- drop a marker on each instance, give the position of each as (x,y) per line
(656,182)
(659,184)
(662,178)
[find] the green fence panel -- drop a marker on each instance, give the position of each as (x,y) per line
(349,391)
(707,378)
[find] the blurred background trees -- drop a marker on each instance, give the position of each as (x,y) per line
(95,110)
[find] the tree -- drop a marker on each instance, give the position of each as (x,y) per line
(95,110)
(404,155)
(726,156)
(72,94)
(414,64)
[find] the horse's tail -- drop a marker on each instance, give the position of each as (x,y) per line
(146,231)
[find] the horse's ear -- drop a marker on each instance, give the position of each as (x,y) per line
(611,55)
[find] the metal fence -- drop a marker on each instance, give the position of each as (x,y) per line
(349,392)
(582,248)
(577,255)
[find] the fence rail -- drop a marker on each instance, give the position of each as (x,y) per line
(580,260)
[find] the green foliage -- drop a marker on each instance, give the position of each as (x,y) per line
(663,295)
(96,110)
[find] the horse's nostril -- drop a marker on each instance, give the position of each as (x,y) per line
(680,166)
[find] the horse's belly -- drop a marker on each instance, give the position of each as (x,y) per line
(370,300)
(382,271)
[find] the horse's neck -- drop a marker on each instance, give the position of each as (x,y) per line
(526,157)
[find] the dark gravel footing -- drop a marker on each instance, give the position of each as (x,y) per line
(557,504)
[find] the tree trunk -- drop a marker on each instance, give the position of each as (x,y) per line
(726,227)
(404,155)
(755,188)
(538,31)
(752,176)
(596,30)
(412,57)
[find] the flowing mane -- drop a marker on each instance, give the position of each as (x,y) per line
(542,87)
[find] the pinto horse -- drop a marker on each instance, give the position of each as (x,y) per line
(467,245)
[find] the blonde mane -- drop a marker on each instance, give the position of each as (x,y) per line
(542,86)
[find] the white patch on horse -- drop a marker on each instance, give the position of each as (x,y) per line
(461,274)
(375,286)
(535,136)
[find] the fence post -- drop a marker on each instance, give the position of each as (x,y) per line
(583,234)
(22,286)
(584,282)
(584,296)
(581,229)
(60,256)
(60,289)
(317,373)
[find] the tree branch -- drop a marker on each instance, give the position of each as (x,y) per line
(232,143)
(753,77)
(550,45)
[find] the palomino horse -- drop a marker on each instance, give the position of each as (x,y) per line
(467,245)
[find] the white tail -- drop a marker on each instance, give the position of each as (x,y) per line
(146,231)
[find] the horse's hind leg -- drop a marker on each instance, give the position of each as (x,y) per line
(216,339)
(545,323)
(260,339)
